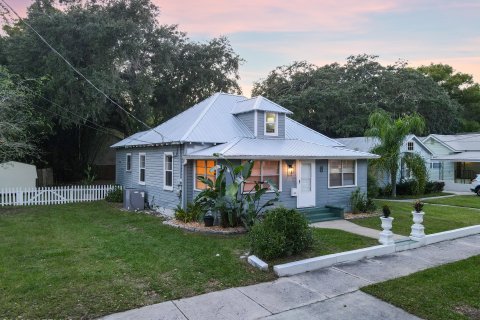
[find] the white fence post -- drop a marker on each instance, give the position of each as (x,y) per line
(52,195)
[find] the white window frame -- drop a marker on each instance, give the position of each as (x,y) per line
(410,143)
(128,155)
(195,173)
(280,171)
(342,186)
(165,187)
(265,124)
(140,168)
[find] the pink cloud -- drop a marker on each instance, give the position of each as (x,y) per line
(225,17)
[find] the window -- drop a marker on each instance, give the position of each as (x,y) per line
(271,123)
(141,167)
(410,146)
(264,170)
(435,165)
(204,168)
(168,171)
(342,173)
(128,162)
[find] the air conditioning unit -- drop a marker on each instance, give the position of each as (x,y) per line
(133,199)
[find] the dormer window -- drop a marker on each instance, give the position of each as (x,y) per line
(410,146)
(271,124)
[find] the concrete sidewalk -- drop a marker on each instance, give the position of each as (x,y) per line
(330,293)
(353,228)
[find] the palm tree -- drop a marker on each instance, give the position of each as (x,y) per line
(391,134)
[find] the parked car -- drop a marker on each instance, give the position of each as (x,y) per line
(475,185)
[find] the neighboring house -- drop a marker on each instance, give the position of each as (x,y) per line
(310,169)
(412,144)
(456,159)
(17,174)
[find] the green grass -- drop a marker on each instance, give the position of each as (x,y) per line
(436,219)
(329,241)
(91,259)
(419,196)
(440,293)
(472,201)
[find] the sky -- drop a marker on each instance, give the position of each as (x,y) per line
(271,33)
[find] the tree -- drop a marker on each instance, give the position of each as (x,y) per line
(337,99)
(154,71)
(391,134)
(18,123)
(460,87)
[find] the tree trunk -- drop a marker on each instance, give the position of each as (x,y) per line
(393,181)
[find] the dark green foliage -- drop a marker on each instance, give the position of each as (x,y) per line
(193,212)
(360,202)
(115,195)
(408,187)
(434,187)
(282,232)
(372,185)
(337,99)
(418,206)
(386,211)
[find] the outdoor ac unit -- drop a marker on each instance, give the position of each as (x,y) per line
(134,199)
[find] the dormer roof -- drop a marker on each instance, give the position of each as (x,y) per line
(258,103)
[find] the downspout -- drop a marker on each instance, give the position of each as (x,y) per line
(182,176)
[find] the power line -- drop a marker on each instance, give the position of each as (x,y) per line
(78,72)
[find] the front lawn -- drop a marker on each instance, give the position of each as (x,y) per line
(91,259)
(436,219)
(472,201)
(451,291)
(419,196)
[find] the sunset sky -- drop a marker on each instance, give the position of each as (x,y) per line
(270,33)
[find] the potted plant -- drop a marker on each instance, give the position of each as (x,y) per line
(418,230)
(386,236)
(208,219)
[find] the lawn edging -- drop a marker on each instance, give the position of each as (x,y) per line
(312,264)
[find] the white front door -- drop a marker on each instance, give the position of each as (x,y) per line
(305,183)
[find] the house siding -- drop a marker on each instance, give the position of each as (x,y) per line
(248,118)
(157,197)
(261,126)
(447,172)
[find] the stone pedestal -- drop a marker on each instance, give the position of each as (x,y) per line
(418,230)
(386,236)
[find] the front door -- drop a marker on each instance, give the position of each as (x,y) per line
(305,183)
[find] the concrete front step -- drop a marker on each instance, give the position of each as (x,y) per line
(320,214)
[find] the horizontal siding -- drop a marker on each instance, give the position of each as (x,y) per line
(157,196)
(248,118)
(261,125)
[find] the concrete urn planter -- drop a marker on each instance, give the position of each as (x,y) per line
(386,236)
(418,230)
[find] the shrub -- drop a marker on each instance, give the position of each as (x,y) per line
(372,186)
(282,232)
(193,212)
(408,187)
(115,195)
(434,187)
(386,211)
(360,202)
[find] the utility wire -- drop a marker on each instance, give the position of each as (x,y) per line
(78,72)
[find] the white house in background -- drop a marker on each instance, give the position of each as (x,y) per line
(17,174)
(412,144)
(455,160)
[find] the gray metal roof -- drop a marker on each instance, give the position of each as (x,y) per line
(248,148)
(258,103)
(472,156)
(364,144)
(459,142)
(212,121)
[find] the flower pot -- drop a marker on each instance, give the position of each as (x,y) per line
(418,230)
(386,236)
(208,220)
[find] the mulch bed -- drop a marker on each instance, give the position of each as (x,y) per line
(200,227)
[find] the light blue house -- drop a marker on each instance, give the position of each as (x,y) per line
(310,169)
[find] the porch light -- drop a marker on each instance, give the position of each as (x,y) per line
(289,167)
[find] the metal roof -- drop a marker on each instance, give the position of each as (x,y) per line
(472,156)
(364,144)
(258,103)
(248,148)
(459,142)
(212,121)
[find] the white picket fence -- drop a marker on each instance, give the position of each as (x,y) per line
(52,195)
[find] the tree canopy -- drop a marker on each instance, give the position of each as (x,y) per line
(152,70)
(338,99)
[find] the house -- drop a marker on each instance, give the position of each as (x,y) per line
(411,144)
(15,174)
(310,169)
(455,160)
